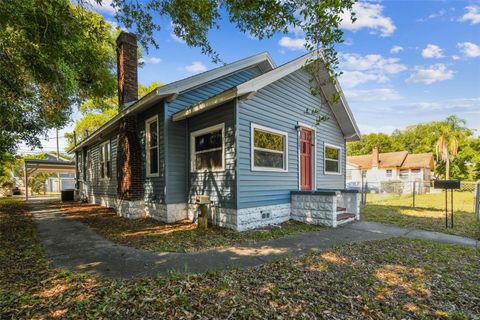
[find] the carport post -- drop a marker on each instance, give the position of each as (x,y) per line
(26,180)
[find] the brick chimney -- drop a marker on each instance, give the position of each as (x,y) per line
(127,69)
(375,157)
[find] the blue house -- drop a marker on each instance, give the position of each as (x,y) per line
(238,134)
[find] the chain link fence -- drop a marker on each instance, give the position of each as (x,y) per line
(416,194)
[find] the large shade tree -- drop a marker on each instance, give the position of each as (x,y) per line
(457,151)
(53,55)
(58,53)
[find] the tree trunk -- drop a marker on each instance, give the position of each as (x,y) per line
(447,169)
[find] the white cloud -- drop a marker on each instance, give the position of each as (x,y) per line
(371,62)
(455,57)
(358,69)
(431,74)
(173,35)
(380,94)
(445,13)
(176,39)
(396,49)
(457,105)
(469,49)
(472,15)
(105,7)
(369,16)
(151,60)
(432,51)
(351,79)
(196,67)
(293,44)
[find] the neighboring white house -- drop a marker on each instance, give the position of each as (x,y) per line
(378,168)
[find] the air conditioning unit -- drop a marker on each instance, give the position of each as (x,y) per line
(202,199)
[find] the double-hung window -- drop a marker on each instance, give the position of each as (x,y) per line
(404,174)
(151,138)
(269,149)
(105,161)
(207,149)
(332,159)
(389,173)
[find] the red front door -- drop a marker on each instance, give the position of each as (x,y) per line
(305,159)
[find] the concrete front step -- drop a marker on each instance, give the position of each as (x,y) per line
(345,216)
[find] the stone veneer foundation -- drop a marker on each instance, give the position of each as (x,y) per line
(316,207)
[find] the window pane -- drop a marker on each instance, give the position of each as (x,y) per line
(268,159)
(108,150)
(331,153)
(154,160)
(208,141)
(331,166)
(268,140)
(109,169)
(208,160)
(153,134)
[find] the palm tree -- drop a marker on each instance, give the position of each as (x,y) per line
(447,144)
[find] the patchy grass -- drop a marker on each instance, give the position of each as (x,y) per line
(396,278)
(429,213)
(177,237)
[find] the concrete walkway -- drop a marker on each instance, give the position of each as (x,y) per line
(74,246)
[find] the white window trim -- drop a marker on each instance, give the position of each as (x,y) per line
(100,159)
(147,146)
(197,133)
(314,158)
(339,173)
(252,148)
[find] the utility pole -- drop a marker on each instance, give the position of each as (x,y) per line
(58,158)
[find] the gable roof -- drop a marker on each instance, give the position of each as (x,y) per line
(340,108)
(419,160)
(170,91)
(400,159)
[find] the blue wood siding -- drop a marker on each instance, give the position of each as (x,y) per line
(177,167)
(281,105)
(154,186)
(220,186)
(98,186)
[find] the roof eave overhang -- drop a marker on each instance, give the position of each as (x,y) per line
(205,105)
(246,90)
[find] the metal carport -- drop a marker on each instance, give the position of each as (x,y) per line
(33,166)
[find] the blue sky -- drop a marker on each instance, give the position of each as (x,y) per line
(404,62)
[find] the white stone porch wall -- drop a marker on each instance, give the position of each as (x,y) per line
(315,208)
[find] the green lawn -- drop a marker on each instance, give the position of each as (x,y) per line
(429,213)
(150,234)
(396,278)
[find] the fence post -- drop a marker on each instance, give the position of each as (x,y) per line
(477,201)
(414,192)
(362,190)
